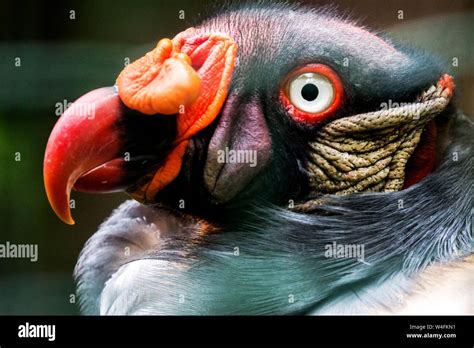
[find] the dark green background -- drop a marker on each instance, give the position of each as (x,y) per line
(63,58)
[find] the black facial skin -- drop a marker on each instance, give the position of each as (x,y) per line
(146,142)
(271,43)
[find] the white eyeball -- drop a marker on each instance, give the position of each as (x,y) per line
(311,92)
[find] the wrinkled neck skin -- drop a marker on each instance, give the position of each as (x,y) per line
(275,262)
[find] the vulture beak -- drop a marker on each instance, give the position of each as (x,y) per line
(184,81)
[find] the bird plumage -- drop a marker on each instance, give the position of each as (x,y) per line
(280,253)
(266,258)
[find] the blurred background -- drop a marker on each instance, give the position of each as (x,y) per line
(68,48)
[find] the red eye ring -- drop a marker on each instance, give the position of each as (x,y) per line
(308,117)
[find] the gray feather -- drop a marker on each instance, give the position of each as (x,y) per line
(281,253)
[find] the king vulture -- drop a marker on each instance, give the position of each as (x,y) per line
(280,160)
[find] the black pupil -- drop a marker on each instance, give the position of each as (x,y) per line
(310,92)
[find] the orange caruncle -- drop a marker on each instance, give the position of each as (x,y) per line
(188,76)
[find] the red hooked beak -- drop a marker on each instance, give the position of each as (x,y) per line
(188,78)
(84,138)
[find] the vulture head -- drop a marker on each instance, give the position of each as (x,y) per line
(254,145)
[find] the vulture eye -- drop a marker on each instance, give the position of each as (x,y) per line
(312,93)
